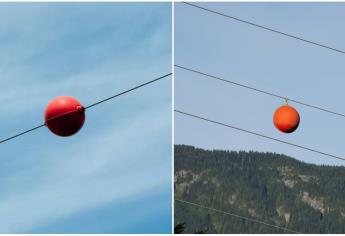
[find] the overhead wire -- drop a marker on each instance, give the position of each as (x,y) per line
(258,134)
(237,216)
(87,107)
(265,27)
(206,75)
(129,90)
(22,133)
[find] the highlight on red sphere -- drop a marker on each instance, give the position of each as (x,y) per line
(286,119)
(64,116)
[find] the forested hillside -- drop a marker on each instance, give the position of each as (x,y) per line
(269,187)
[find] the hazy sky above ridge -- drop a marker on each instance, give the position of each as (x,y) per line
(267,61)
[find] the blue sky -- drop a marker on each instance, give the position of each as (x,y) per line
(267,61)
(114,176)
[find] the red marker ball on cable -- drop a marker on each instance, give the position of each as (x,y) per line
(64,116)
(286,119)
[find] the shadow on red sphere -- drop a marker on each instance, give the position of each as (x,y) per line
(64,116)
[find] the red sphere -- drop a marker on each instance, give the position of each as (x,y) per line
(64,116)
(286,119)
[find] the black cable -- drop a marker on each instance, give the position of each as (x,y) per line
(94,104)
(238,216)
(129,90)
(260,135)
(259,90)
(265,28)
(27,131)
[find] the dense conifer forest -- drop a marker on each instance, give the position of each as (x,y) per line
(270,187)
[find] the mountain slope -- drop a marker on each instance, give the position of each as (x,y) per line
(270,187)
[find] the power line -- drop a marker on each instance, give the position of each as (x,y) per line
(39,126)
(22,133)
(258,134)
(265,28)
(259,90)
(92,105)
(129,90)
(238,216)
